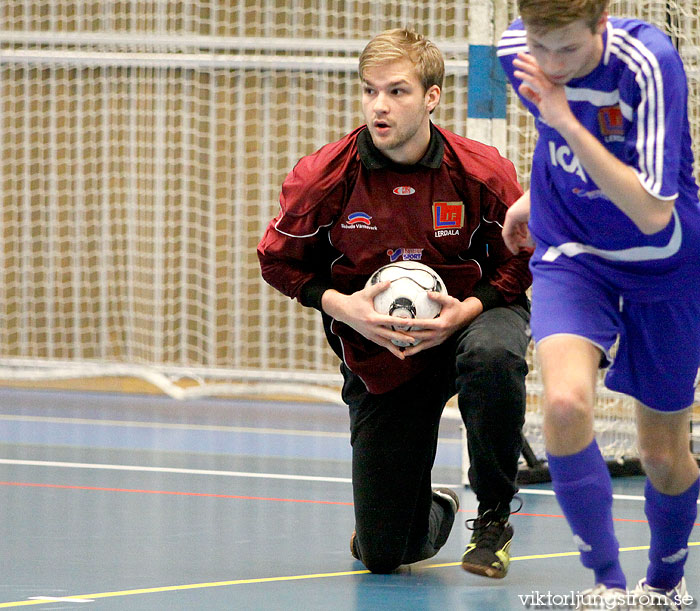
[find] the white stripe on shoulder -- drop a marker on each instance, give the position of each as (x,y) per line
(491,222)
(512,42)
(606,54)
(627,110)
(651,130)
(643,180)
(514,33)
(650,74)
(503,51)
(593,96)
(291,235)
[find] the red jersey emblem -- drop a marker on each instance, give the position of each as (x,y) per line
(404,191)
(610,121)
(448,215)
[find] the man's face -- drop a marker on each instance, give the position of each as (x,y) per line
(568,52)
(397,110)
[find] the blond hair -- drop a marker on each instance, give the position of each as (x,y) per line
(403,43)
(547,15)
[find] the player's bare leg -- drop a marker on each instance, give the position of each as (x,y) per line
(569,365)
(580,477)
(671,494)
(664,447)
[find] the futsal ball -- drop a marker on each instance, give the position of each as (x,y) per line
(407,297)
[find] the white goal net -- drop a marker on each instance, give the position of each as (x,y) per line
(143,146)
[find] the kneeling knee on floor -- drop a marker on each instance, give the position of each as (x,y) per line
(380,556)
(381,563)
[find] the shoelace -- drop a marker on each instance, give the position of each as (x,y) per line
(488,527)
(487,534)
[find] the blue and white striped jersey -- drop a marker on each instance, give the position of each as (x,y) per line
(635,103)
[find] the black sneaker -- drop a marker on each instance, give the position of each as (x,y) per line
(488,552)
(449,496)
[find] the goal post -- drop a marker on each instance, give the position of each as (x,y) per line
(143,147)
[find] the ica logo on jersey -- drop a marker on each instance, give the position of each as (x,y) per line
(564,158)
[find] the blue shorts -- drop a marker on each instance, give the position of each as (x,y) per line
(658,354)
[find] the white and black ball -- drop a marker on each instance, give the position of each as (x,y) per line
(407,297)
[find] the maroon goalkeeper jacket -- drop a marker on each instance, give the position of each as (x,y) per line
(346,210)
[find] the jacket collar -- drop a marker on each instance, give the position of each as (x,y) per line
(373,159)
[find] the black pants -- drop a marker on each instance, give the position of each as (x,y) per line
(394,439)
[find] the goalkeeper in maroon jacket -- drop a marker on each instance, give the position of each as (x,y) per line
(401,188)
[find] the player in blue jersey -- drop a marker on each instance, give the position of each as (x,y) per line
(613,214)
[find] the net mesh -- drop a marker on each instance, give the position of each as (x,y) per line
(143,146)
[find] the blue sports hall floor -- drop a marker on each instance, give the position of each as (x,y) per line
(122,501)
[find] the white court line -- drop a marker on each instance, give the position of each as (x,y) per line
(302,478)
(79,465)
(170,425)
(619,497)
(186,427)
(66,599)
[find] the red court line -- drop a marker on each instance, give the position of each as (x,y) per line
(171,493)
(254,498)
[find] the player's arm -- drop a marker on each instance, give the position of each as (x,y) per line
(516,234)
(289,262)
(616,179)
